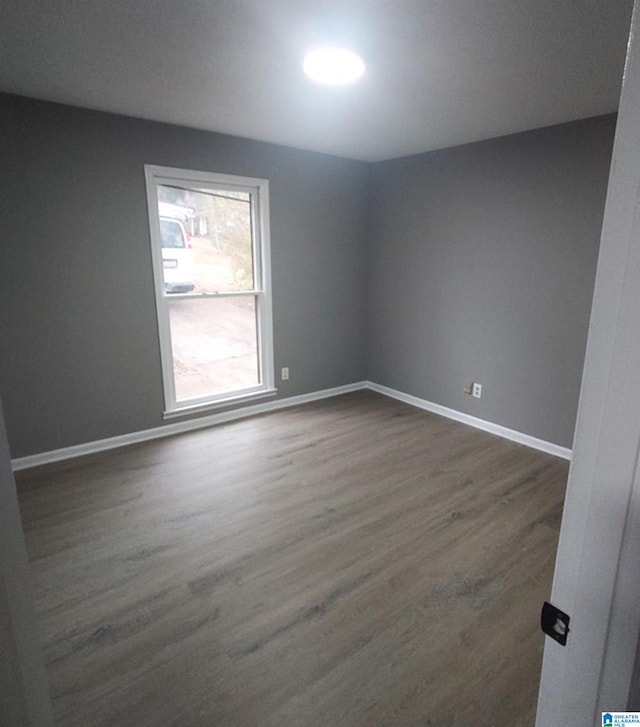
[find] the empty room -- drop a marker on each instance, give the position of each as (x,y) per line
(315,320)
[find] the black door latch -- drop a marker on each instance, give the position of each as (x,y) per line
(554,623)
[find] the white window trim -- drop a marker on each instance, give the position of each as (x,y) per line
(259,190)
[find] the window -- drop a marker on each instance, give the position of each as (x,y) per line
(210,253)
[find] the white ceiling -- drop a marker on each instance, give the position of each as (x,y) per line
(439,72)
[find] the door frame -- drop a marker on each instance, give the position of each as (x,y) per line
(596,577)
(24,691)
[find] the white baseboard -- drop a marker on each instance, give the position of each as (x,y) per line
(101,445)
(472,421)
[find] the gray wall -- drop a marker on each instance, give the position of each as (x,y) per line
(481,266)
(80,356)
(479,263)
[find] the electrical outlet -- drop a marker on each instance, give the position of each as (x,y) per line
(468,386)
(477,390)
(284,373)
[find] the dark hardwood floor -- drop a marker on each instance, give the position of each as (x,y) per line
(353,562)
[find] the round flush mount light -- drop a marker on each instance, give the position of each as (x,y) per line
(333,66)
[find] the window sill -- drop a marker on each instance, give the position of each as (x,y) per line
(210,406)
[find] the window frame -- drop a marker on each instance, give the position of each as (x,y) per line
(258,190)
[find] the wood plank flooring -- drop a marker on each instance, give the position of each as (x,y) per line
(354,562)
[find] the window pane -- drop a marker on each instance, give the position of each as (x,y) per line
(208,233)
(218,225)
(214,345)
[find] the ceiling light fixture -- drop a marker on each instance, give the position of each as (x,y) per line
(333,66)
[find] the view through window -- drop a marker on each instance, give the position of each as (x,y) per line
(210,249)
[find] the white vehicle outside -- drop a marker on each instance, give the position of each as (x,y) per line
(177,260)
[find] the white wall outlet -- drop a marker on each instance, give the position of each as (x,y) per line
(477,390)
(468,386)
(284,373)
